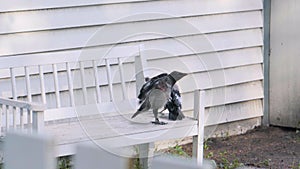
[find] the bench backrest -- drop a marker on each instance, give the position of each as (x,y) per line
(101,76)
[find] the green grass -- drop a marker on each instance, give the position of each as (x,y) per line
(177,150)
(64,162)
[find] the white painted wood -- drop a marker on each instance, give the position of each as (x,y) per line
(2,112)
(220,41)
(28,84)
(146,153)
(208,80)
(284,70)
(33,4)
(22,104)
(28,151)
(109,79)
(71,56)
(7,117)
(14,117)
(82,78)
(140,63)
(97,83)
(201,122)
(70,84)
(121,69)
(63,18)
(42,83)
(38,121)
(94,157)
(173,162)
(22,118)
(13,84)
(56,87)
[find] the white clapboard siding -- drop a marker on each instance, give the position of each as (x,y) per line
(63,17)
(228,58)
(34,4)
(202,24)
(228,94)
(42,41)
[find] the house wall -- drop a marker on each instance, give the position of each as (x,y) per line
(218,42)
(284,58)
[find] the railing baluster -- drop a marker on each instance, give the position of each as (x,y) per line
(97,83)
(110,86)
(70,84)
(42,83)
(21,118)
(14,110)
(7,118)
(1,118)
(28,84)
(13,83)
(29,121)
(55,76)
(83,82)
(122,78)
(29,94)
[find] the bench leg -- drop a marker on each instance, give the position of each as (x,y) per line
(198,149)
(145,154)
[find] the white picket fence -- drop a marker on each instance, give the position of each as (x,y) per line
(36,152)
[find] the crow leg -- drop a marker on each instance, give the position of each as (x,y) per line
(161,112)
(155,112)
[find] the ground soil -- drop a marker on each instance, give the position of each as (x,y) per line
(263,147)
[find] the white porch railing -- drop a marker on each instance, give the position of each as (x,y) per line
(36,152)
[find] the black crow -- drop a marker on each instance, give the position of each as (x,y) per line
(174,105)
(156,92)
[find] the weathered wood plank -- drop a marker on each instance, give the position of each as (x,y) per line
(63,17)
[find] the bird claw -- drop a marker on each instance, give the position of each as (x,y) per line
(159,122)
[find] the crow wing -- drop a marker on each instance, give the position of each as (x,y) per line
(148,86)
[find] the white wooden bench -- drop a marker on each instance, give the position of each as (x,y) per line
(87,98)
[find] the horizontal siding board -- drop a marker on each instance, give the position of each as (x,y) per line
(174,8)
(214,60)
(205,23)
(62,40)
(227,94)
(233,112)
(38,5)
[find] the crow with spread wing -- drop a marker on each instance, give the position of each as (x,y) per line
(156,92)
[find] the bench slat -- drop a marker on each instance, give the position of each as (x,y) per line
(121,69)
(70,84)
(28,84)
(97,83)
(110,86)
(42,83)
(57,96)
(82,75)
